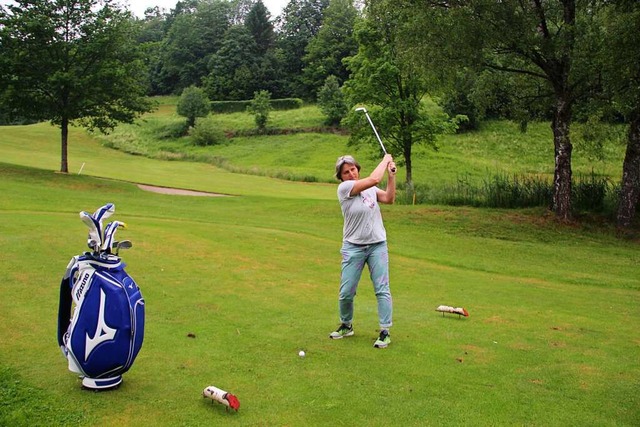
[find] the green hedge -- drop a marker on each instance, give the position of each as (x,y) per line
(241,106)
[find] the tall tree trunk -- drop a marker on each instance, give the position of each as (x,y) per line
(563,148)
(64,136)
(630,175)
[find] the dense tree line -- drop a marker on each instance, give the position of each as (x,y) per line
(235,48)
(559,60)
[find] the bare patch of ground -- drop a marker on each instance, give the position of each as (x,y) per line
(178,191)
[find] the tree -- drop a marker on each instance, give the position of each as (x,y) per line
(240,9)
(195,34)
(72,62)
(619,56)
(232,68)
(386,79)
(535,40)
(258,22)
(333,43)
(193,103)
(299,22)
(331,101)
(260,107)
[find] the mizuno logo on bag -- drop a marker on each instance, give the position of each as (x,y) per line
(83,283)
(103,331)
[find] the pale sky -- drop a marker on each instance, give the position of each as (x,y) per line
(139,6)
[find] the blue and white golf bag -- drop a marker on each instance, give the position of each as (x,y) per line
(103,334)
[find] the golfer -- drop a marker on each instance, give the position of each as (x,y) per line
(364,240)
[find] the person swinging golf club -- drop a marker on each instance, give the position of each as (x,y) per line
(364,241)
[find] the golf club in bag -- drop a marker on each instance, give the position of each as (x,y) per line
(101,310)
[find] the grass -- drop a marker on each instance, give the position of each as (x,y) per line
(496,164)
(552,336)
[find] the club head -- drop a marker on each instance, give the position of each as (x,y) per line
(361,109)
(93,245)
(125,244)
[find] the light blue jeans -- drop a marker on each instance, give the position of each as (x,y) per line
(354,257)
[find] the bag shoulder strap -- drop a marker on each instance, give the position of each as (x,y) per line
(65,303)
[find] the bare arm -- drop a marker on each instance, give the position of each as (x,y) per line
(375,178)
(388,196)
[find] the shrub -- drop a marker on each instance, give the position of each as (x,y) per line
(207,132)
(241,106)
(286,103)
(193,103)
(590,193)
(229,106)
(260,107)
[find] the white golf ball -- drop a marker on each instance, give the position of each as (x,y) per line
(301,353)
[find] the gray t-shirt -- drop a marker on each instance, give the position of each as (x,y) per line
(362,217)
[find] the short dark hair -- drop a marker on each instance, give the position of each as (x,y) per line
(341,161)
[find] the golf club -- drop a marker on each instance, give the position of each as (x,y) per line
(374,131)
(125,244)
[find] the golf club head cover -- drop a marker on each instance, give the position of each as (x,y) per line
(221,396)
(103,213)
(95,233)
(94,222)
(456,310)
(109,235)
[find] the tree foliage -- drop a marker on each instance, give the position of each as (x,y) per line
(196,33)
(387,81)
(72,62)
(260,107)
(331,101)
(536,41)
(232,68)
(193,103)
(258,22)
(299,23)
(334,42)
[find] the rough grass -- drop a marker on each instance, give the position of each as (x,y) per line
(254,279)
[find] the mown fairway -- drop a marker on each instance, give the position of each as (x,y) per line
(552,337)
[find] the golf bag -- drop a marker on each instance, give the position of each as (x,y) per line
(103,334)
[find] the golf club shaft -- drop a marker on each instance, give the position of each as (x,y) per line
(375,132)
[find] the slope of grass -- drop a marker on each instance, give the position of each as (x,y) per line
(498,148)
(38,146)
